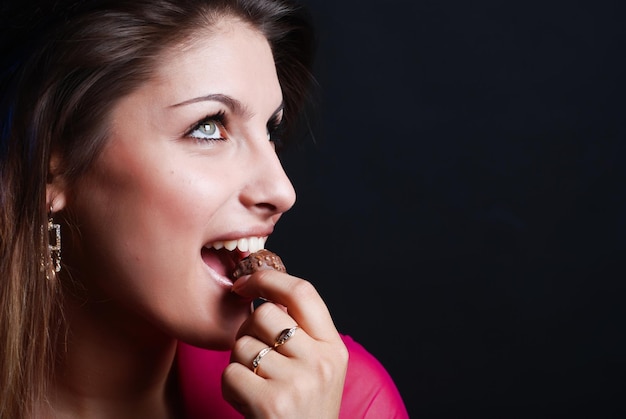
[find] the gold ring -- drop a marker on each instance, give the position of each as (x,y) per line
(284,336)
(257,360)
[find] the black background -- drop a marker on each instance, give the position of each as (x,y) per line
(462,208)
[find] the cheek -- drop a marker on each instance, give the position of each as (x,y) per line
(135,217)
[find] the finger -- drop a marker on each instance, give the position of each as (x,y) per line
(259,358)
(247,350)
(269,323)
(260,301)
(240,388)
(302,300)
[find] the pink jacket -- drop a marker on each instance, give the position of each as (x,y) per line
(369,391)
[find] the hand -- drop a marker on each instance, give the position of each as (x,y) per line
(302,378)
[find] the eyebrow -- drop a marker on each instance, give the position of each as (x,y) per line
(233,104)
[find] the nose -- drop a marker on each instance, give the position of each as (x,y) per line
(268,189)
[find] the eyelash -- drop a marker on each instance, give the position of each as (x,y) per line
(274,128)
(219,119)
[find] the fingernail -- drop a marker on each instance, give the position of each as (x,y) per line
(240,283)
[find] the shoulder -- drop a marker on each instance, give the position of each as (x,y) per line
(369,390)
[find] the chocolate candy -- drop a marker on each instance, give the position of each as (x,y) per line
(258,261)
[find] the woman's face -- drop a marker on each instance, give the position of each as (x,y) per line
(188,164)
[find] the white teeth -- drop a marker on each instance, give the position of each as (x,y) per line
(246,244)
(242,244)
(230,244)
(253,244)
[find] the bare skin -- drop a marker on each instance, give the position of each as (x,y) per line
(172,180)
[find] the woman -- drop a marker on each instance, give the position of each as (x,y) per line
(138,166)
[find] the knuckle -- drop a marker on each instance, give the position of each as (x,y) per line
(265,312)
(282,404)
(334,366)
(303,290)
(243,344)
(227,375)
(327,370)
(342,354)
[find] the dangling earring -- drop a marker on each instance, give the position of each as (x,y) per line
(54,233)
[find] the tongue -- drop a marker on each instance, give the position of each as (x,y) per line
(221,261)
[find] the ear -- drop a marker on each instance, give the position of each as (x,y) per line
(56,192)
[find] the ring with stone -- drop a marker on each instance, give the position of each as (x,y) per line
(256,361)
(285,335)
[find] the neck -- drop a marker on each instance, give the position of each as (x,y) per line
(113,364)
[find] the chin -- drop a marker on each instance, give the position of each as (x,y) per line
(216,341)
(218,334)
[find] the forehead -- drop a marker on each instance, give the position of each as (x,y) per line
(226,41)
(229,50)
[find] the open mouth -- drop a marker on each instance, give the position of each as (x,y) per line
(223,256)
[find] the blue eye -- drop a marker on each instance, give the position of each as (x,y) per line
(210,128)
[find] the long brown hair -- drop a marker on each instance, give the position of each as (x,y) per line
(63,66)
